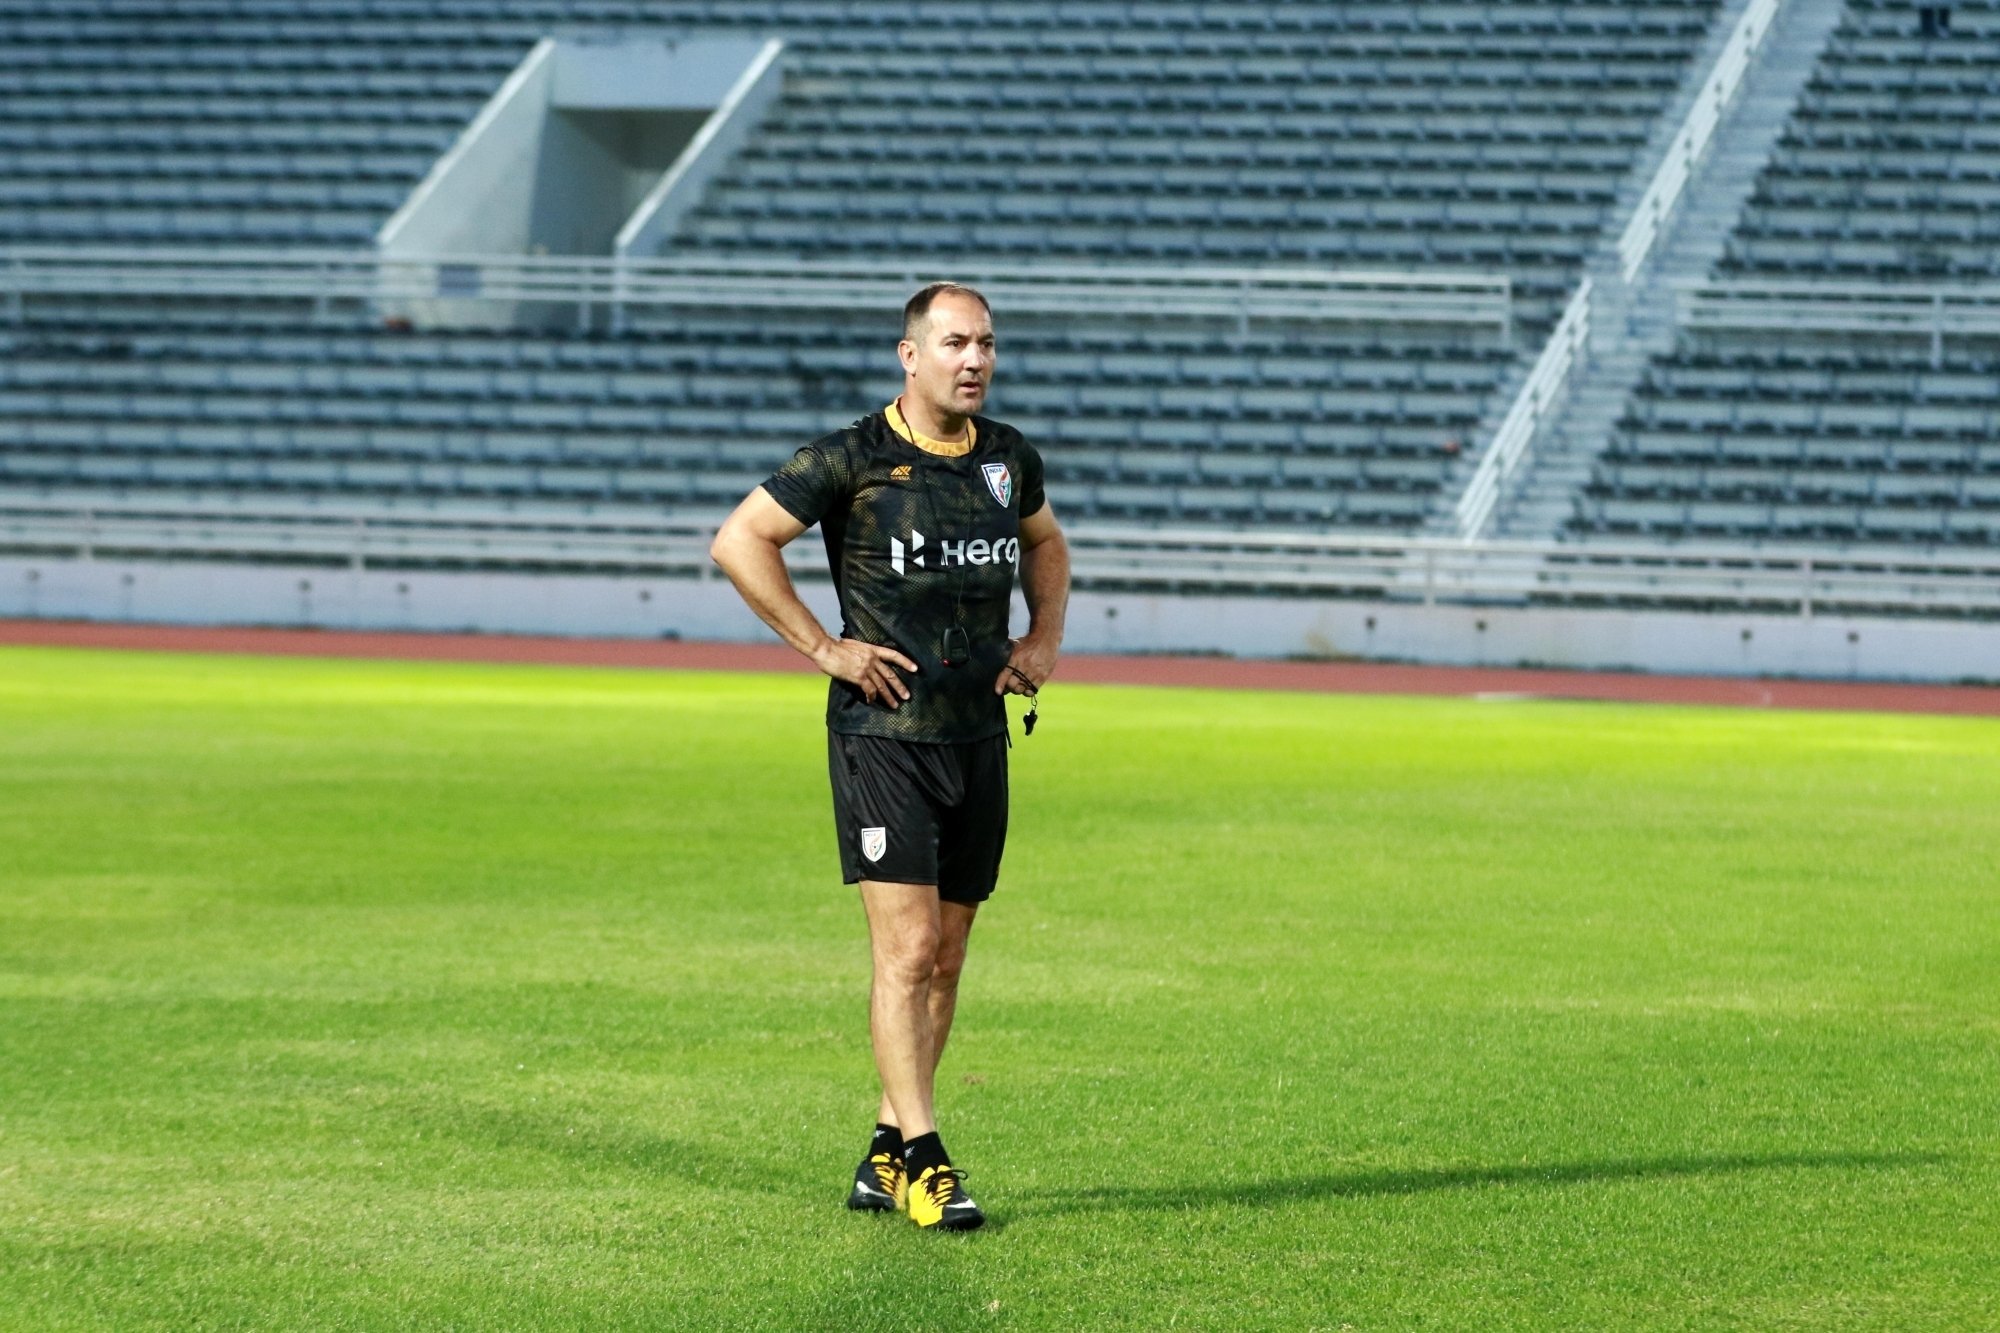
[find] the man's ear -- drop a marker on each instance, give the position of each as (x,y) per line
(906,352)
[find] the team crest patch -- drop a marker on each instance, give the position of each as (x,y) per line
(874,842)
(1000,482)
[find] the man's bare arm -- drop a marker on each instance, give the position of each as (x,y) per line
(1045,586)
(749,549)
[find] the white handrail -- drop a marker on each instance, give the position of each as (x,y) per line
(1717,91)
(1510,443)
(1475,299)
(1901,309)
(1802,580)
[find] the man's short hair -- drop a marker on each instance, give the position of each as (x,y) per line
(917,311)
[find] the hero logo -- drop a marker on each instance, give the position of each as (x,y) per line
(979,551)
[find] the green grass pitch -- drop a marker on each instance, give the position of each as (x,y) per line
(370,995)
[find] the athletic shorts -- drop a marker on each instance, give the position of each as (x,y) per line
(909,812)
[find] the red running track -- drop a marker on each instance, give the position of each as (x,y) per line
(1218,672)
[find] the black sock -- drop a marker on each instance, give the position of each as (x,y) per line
(922,1153)
(888,1139)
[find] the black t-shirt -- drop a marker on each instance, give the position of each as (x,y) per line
(917,542)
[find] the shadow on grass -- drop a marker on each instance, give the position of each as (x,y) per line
(1212,1193)
(586,1140)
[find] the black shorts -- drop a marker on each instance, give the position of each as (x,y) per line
(908,812)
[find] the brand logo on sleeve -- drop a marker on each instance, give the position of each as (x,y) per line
(999,481)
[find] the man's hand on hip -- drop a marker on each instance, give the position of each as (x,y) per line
(867,667)
(1031,657)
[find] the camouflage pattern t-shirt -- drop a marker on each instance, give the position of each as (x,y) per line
(917,542)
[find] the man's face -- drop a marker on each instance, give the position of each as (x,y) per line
(952,367)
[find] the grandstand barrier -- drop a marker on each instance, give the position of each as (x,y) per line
(580,131)
(1883,310)
(1798,582)
(1691,140)
(492,163)
(366,282)
(719,138)
(1538,393)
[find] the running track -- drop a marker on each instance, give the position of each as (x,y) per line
(1333,677)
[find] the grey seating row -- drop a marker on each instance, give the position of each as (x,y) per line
(1490,136)
(637,420)
(1849,446)
(1887,168)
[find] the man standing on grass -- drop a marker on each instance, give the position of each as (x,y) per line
(927,509)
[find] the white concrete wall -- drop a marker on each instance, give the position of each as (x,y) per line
(594,168)
(657,74)
(478,199)
(738,113)
(1829,647)
(628,606)
(580,140)
(159,592)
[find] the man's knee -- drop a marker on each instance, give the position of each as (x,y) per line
(907,954)
(950,961)
(955,922)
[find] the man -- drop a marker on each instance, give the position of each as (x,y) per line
(926,508)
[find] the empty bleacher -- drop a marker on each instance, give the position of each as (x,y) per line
(1477,137)
(1890,163)
(1738,441)
(1486,136)
(1835,438)
(1182,427)
(268,123)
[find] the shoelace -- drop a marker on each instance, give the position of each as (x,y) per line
(885,1170)
(944,1183)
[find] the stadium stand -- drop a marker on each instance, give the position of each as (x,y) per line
(1887,168)
(1489,136)
(1835,436)
(1747,443)
(1492,137)
(1175,426)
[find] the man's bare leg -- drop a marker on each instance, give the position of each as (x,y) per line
(954,926)
(904,929)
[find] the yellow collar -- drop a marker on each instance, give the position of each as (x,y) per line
(942,448)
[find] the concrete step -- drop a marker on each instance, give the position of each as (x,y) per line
(1631,326)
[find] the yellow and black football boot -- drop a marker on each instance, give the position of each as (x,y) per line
(938,1199)
(880,1184)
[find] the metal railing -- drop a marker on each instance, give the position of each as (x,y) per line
(1432,571)
(1537,394)
(1899,310)
(365,278)
(358,538)
(1692,138)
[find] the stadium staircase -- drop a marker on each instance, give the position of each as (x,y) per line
(1635,322)
(1816,427)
